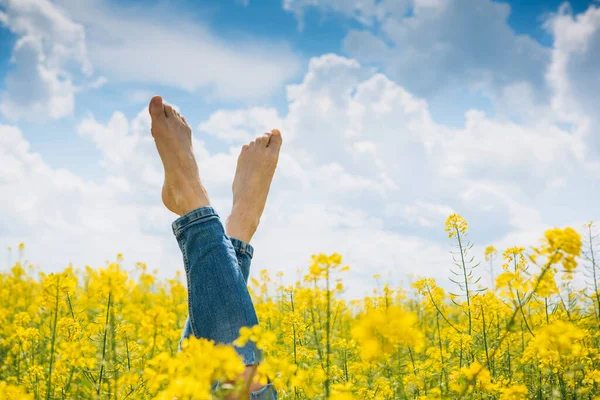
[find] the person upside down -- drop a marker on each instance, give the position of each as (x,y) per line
(216,258)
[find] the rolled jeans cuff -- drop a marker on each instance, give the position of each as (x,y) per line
(242,248)
(193,216)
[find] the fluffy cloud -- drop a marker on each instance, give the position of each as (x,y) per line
(437,46)
(573,72)
(160,46)
(366,170)
(240,126)
(378,169)
(58,42)
(365,11)
(64,218)
(422,213)
(123,212)
(49,53)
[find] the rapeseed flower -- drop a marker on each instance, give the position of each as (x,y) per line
(112,333)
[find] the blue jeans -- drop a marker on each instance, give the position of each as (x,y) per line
(217,269)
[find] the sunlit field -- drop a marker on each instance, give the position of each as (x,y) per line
(114,334)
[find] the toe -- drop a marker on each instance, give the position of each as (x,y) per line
(156,107)
(275,140)
(176,114)
(169,112)
(263,140)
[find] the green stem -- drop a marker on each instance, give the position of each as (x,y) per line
(439,331)
(104,346)
(328,333)
(520,305)
(315,333)
(440,311)
(50,367)
(512,318)
(594,277)
(464,268)
(487,355)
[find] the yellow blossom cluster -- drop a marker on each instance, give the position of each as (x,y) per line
(456,225)
(111,333)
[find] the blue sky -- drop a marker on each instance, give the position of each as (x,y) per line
(323,32)
(396,113)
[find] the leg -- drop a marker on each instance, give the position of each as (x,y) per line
(243,253)
(219,303)
(254,173)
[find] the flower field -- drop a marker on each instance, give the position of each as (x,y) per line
(108,333)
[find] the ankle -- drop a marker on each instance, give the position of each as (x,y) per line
(241,225)
(184,199)
(185,206)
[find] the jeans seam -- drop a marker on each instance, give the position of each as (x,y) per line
(187,275)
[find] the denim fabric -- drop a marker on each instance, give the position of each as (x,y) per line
(243,252)
(217,269)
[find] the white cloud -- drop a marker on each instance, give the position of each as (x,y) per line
(365,11)
(366,171)
(140,96)
(366,175)
(59,42)
(162,46)
(63,217)
(422,213)
(345,125)
(63,40)
(49,54)
(240,126)
(573,72)
(432,47)
(127,147)
(126,206)
(498,149)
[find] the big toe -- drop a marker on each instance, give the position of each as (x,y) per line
(156,107)
(275,140)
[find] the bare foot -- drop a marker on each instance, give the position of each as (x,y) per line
(255,169)
(182,191)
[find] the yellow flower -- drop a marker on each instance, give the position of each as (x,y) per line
(478,376)
(455,224)
(263,338)
(315,269)
(490,252)
(380,329)
(10,392)
(547,283)
(514,392)
(562,245)
(99,332)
